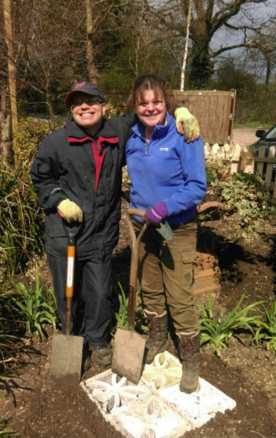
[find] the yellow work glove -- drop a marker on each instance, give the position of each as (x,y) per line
(186,124)
(70,211)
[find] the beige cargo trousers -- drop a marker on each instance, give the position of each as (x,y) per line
(166,274)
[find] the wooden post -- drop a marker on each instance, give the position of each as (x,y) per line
(247,162)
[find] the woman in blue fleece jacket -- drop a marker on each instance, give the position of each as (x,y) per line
(168,181)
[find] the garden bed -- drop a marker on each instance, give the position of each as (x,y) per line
(37,406)
(245,372)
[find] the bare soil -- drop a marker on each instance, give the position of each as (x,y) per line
(39,406)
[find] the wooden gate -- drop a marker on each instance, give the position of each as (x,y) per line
(214,111)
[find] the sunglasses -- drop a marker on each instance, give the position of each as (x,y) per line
(93,100)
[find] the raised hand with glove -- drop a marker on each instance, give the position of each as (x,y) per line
(186,124)
(70,211)
(155,214)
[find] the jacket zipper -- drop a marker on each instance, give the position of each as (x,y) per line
(146,147)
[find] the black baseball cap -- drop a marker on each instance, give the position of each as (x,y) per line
(85,87)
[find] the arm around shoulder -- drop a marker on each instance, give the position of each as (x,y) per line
(186,124)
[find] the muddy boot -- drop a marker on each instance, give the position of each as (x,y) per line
(86,359)
(101,353)
(158,334)
(190,355)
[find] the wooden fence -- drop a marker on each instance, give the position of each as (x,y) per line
(213,109)
(261,161)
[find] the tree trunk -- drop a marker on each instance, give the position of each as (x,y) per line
(186,46)
(5,129)
(92,72)
(201,67)
(50,111)
(11,66)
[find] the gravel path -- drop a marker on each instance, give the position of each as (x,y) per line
(244,136)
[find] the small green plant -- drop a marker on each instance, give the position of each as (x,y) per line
(121,313)
(36,305)
(5,430)
(267,328)
(9,254)
(217,328)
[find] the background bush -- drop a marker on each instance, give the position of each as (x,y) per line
(30,134)
(241,193)
(21,222)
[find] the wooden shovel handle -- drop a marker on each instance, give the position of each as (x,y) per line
(69,290)
(209,204)
(135,242)
(136,212)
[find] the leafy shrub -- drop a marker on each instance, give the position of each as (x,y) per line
(242,193)
(249,194)
(216,170)
(21,221)
(30,134)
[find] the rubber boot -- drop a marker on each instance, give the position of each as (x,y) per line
(190,355)
(86,359)
(101,353)
(158,334)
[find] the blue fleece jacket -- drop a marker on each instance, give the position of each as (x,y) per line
(167,169)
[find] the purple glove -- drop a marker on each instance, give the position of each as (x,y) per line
(155,214)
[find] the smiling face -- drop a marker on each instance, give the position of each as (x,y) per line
(151,108)
(88,112)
